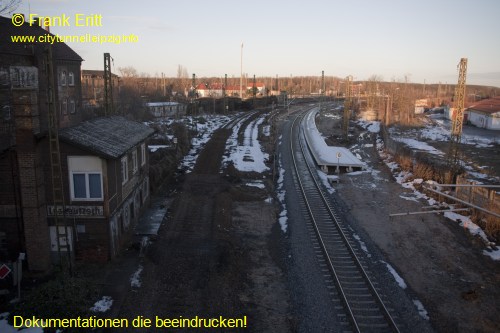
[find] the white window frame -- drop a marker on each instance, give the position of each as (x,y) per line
(135,163)
(71,79)
(63,78)
(143,154)
(124,169)
(87,186)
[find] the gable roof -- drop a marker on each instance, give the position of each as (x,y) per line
(61,50)
(489,106)
(110,137)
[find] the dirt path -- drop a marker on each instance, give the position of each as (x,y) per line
(213,257)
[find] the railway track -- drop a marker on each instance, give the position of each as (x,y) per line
(360,307)
(240,118)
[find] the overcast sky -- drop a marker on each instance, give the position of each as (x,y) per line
(422,40)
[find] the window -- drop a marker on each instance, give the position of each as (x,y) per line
(63,78)
(6,112)
(85,178)
(20,76)
(72,107)
(64,106)
(71,79)
(143,154)
(86,186)
(134,162)
(124,170)
(132,212)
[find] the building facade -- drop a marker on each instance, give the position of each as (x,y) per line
(161,110)
(105,168)
(93,87)
(485,114)
(94,190)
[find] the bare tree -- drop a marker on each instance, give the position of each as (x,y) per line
(7,7)
(128,72)
(372,91)
(182,77)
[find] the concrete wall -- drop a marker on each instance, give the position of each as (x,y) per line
(483,120)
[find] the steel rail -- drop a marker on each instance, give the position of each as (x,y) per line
(344,297)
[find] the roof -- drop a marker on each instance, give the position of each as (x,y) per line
(152,104)
(257,85)
(206,86)
(95,73)
(61,50)
(324,154)
(110,137)
(489,106)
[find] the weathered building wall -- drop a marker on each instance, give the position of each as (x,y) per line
(11,238)
(31,178)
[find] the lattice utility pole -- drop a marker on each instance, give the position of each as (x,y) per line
(347,106)
(62,230)
(108,86)
(458,116)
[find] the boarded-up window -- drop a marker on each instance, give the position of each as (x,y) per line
(23,77)
(4,77)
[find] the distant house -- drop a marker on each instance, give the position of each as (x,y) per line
(420,106)
(166,109)
(210,90)
(485,114)
(234,90)
(261,88)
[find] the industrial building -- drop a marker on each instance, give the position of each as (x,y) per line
(485,114)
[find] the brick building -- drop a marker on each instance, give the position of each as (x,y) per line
(105,161)
(25,183)
(93,87)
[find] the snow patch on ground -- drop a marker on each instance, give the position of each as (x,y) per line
(465,222)
(281,193)
(419,145)
(135,279)
(395,274)
(324,179)
(362,245)
(370,126)
(205,132)
(102,305)
(249,157)
(153,148)
(421,310)
(257,184)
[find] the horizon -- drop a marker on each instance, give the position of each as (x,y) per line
(422,42)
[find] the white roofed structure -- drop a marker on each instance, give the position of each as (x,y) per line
(328,156)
